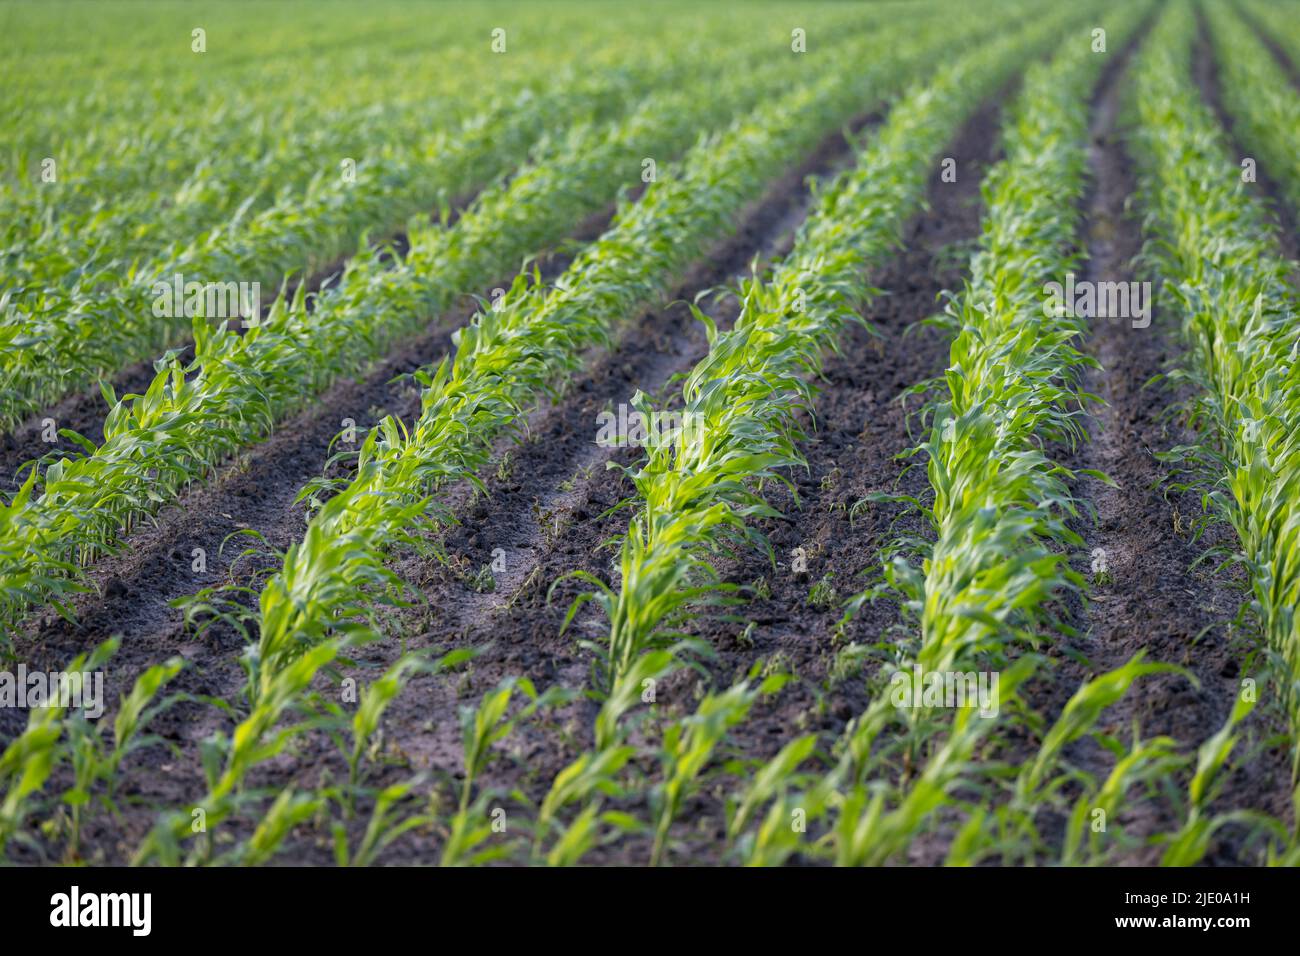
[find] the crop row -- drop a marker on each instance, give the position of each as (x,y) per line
(1001,506)
(1276,21)
(979,593)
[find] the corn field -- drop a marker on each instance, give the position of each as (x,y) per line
(689,434)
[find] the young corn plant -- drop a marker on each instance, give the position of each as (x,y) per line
(688,746)
(481,727)
(258,737)
(30,758)
(356,733)
(1188,846)
(96,757)
(289,810)
(1011,831)
(388,823)
(777,836)
(594,776)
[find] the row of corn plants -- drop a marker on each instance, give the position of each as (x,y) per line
(1224,278)
(238,385)
(1258,95)
(1001,508)
(1006,821)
